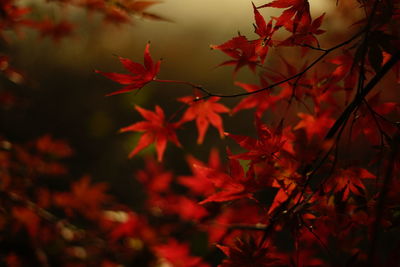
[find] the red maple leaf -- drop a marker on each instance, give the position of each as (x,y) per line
(265,152)
(299,9)
(204,112)
(197,183)
(155,129)
(121,11)
(84,198)
(322,91)
(261,100)
(143,74)
(235,185)
(245,211)
(54,30)
(249,253)
(305,33)
(349,180)
(266,147)
(286,187)
(154,178)
(177,255)
(261,27)
(292,89)
(265,32)
(315,125)
(346,70)
(241,50)
(56,148)
(126,223)
(186,208)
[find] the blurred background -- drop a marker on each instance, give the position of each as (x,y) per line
(62,95)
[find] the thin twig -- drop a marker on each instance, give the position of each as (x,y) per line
(209,94)
(318,59)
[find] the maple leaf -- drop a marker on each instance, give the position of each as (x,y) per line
(249,253)
(260,27)
(42,158)
(241,50)
(261,101)
(197,183)
(265,153)
(290,89)
(286,188)
(304,34)
(189,209)
(143,74)
(245,211)
(128,7)
(161,200)
(265,32)
(56,148)
(299,9)
(184,207)
(127,223)
(124,224)
(154,177)
(84,198)
(349,181)
(155,130)
(265,148)
(157,184)
(54,30)
(177,255)
(235,185)
(345,71)
(140,6)
(322,91)
(204,112)
(116,15)
(317,125)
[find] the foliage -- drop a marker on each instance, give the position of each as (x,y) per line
(317,189)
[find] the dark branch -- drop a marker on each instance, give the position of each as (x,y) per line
(360,97)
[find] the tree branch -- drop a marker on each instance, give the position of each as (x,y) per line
(360,97)
(209,94)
